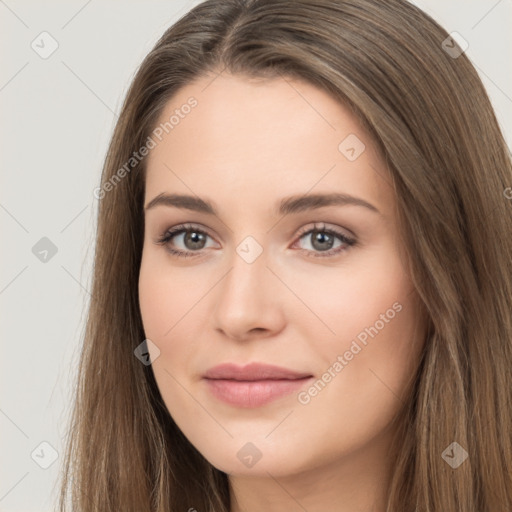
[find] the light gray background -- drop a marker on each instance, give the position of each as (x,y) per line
(57,117)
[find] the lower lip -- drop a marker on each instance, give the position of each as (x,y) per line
(253,393)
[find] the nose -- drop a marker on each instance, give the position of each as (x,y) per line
(249,300)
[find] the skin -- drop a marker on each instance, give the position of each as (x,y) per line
(244,147)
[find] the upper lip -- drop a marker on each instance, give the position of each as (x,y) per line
(253,371)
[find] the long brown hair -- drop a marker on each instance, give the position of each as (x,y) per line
(430,116)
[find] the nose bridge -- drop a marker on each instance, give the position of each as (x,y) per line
(247,297)
(248,276)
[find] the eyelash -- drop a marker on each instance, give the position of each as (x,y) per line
(166,237)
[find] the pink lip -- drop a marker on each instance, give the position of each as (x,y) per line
(252,385)
(252,371)
(253,393)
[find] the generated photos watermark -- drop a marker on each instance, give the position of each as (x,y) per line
(357,345)
(151,143)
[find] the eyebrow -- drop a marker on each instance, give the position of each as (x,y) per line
(287,206)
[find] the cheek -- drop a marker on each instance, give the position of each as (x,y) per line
(362,385)
(164,297)
(156,304)
(345,301)
(164,300)
(170,304)
(369,318)
(375,382)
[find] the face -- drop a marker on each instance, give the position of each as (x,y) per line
(274,276)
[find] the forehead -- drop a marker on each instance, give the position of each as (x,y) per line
(252,140)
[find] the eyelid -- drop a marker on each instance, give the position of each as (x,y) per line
(319,225)
(180,228)
(324,226)
(348,241)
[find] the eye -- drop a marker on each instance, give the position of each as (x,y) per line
(323,239)
(194,239)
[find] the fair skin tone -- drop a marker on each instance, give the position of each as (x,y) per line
(244,147)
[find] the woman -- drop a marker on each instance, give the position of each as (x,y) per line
(233,362)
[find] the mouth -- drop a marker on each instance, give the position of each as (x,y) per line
(253,393)
(253,371)
(253,385)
